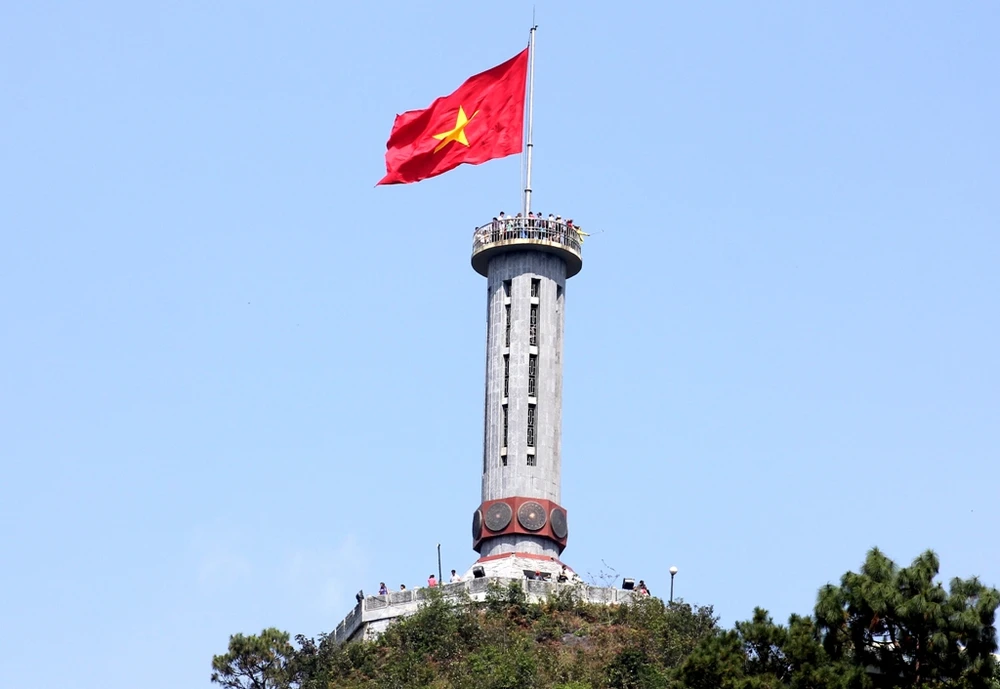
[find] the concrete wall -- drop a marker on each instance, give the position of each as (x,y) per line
(517,478)
(374,614)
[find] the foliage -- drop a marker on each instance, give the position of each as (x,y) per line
(255,662)
(504,643)
(511,600)
(882,628)
(906,626)
(674,629)
(759,654)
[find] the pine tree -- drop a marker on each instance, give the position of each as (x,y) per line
(906,630)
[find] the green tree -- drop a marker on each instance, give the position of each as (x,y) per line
(883,628)
(255,662)
(441,629)
(759,654)
(325,664)
(507,665)
(673,630)
(632,668)
(907,631)
(719,662)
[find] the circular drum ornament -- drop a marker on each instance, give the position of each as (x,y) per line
(558,520)
(531,515)
(498,516)
(477,524)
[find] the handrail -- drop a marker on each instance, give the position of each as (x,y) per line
(538,229)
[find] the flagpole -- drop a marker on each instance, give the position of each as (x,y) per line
(531,111)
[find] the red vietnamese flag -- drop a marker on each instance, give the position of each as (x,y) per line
(483,119)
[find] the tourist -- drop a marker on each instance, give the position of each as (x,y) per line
(383,590)
(431,582)
(642,588)
(562,577)
(454,577)
(402,587)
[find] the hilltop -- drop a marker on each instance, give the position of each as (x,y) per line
(884,627)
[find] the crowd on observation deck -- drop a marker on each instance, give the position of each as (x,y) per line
(564,576)
(534,226)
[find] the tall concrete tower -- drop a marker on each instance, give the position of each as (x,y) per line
(526,263)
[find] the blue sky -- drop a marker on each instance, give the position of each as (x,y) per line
(240,382)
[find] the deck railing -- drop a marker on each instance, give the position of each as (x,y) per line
(538,229)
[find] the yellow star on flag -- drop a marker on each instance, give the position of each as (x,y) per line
(456,134)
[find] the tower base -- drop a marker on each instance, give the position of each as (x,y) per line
(527,566)
(373,615)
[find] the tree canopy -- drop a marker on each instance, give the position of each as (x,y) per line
(255,662)
(884,627)
(907,628)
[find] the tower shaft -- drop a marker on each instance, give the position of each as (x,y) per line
(523,409)
(527,262)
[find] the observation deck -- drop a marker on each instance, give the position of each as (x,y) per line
(527,234)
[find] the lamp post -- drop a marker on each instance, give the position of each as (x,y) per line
(673,573)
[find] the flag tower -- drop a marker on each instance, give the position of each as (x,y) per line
(526,268)
(520,524)
(520,527)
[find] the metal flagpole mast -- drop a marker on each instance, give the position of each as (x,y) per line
(531,108)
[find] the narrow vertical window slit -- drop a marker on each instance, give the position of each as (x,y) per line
(506,374)
(531,425)
(532,376)
(504,443)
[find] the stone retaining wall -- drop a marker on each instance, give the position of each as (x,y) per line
(372,616)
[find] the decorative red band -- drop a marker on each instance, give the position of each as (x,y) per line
(523,516)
